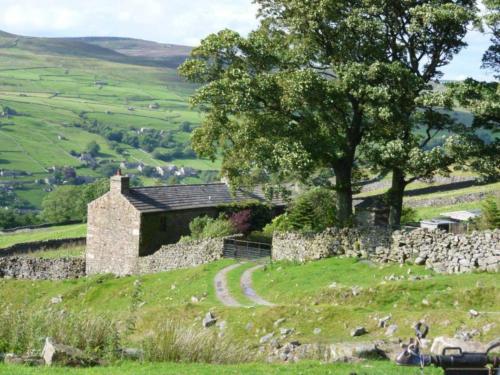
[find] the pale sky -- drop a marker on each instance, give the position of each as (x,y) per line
(169,21)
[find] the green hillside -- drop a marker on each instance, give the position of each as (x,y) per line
(58,94)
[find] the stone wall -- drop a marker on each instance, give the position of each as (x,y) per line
(448,201)
(181,255)
(42,269)
(440,251)
(31,247)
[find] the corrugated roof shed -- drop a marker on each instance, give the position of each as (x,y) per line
(183,197)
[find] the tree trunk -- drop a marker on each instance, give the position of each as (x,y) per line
(396,193)
(343,178)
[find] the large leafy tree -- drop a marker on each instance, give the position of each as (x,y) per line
(299,93)
(423,36)
(320,78)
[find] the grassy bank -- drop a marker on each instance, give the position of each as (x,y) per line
(304,296)
(52,233)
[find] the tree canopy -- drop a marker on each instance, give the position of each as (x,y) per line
(320,81)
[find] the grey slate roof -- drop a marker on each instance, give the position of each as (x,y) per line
(183,197)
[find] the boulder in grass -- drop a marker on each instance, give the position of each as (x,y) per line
(133,354)
(209,320)
(352,352)
(391,330)
(64,355)
(265,339)
(26,360)
(441,342)
(358,331)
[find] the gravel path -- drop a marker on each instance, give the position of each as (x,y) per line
(246,285)
(221,288)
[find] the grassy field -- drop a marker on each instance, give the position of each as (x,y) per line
(51,92)
(52,233)
(368,368)
(301,292)
(304,296)
(424,213)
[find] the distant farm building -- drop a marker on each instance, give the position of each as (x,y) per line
(372,211)
(451,221)
(127,223)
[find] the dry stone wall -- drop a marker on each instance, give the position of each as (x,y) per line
(41,269)
(181,255)
(440,251)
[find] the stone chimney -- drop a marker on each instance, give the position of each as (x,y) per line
(119,184)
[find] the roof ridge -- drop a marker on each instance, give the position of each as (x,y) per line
(177,185)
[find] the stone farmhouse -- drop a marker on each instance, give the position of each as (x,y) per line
(128,223)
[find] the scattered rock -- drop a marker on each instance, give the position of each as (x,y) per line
(420,261)
(132,354)
(275,344)
(55,300)
(358,331)
(355,290)
(222,325)
(209,320)
(382,322)
(286,331)
(249,326)
(467,335)
(194,299)
(473,313)
(425,302)
(317,331)
(488,327)
(391,330)
(64,355)
(349,352)
(333,285)
(265,339)
(442,342)
(279,321)
(14,359)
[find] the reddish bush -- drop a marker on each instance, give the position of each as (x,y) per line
(242,221)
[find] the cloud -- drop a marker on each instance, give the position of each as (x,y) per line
(169,21)
(173,21)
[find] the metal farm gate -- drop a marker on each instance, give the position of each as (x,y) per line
(240,249)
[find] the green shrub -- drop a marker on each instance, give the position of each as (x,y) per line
(206,227)
(312,211)
(280,223)
(490,214)
(408,215)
